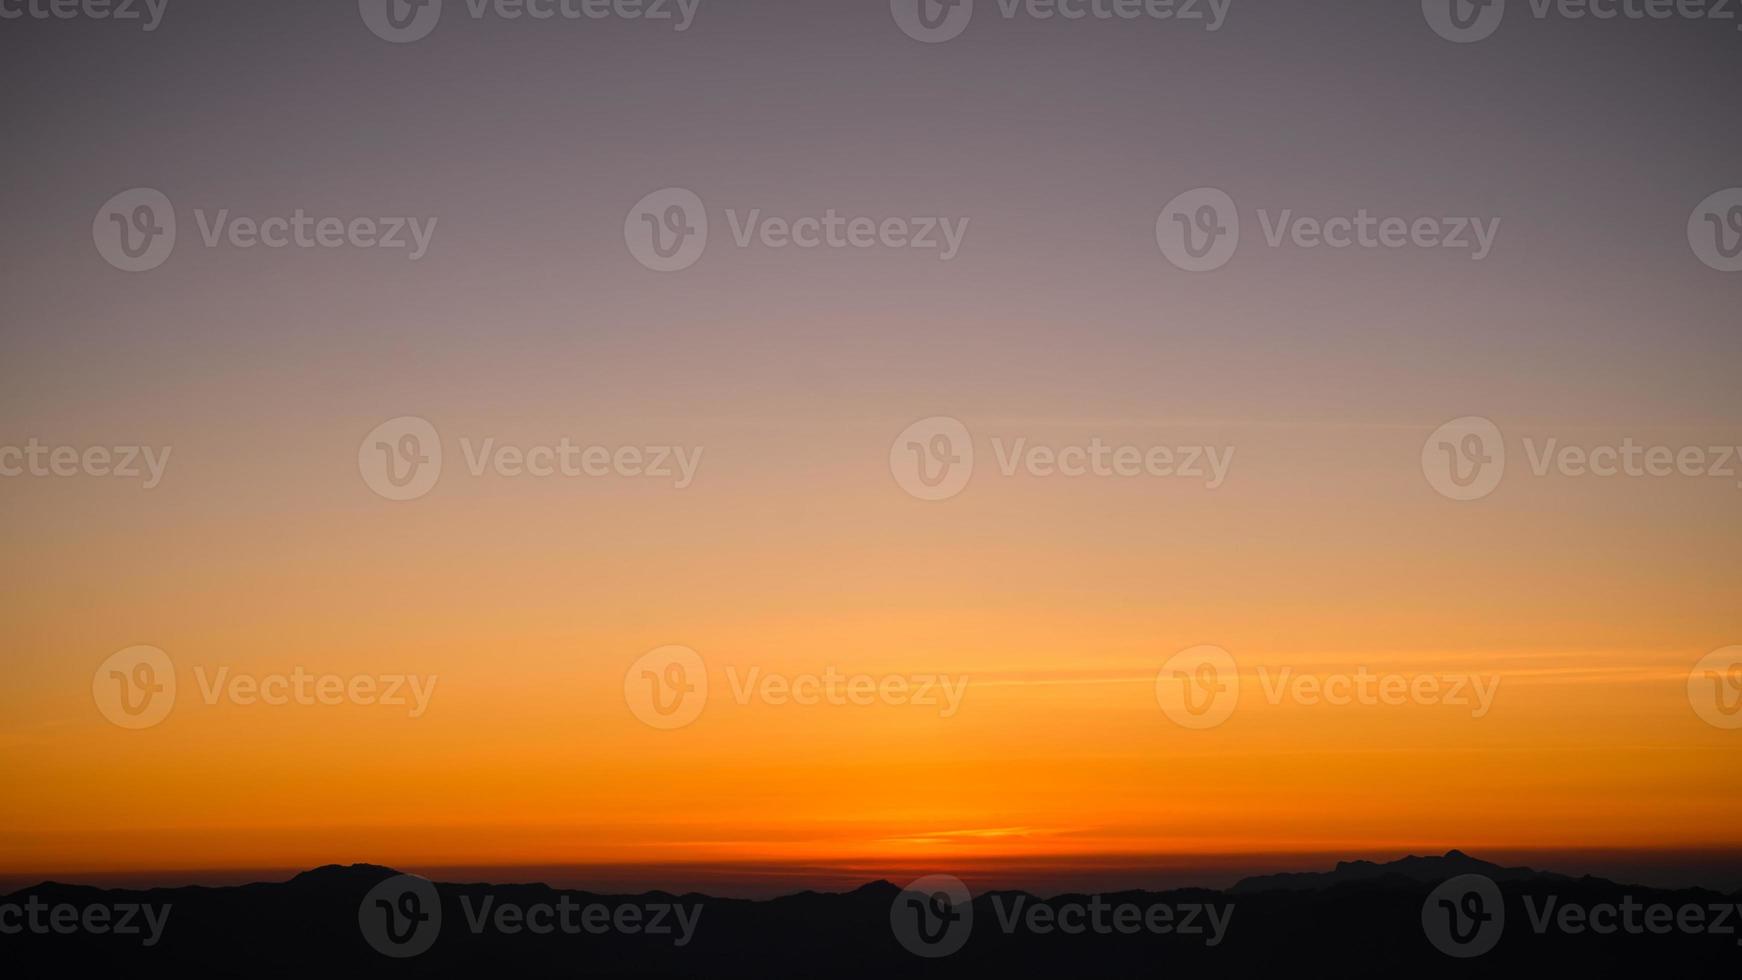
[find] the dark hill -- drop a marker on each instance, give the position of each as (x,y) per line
(1360,919)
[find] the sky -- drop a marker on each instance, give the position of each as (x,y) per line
(798,382)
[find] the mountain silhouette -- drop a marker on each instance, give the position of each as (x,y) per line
(1359,919)
(1412,868)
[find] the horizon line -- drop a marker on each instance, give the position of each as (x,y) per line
(1719,865)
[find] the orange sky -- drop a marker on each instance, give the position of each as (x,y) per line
(1057,601)
(796,551)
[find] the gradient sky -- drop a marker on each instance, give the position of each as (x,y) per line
(795,550)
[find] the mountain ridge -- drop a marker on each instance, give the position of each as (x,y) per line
(1410,868)
(1356,919)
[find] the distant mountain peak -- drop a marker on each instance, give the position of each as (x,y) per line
(1413,867)
(329,873)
